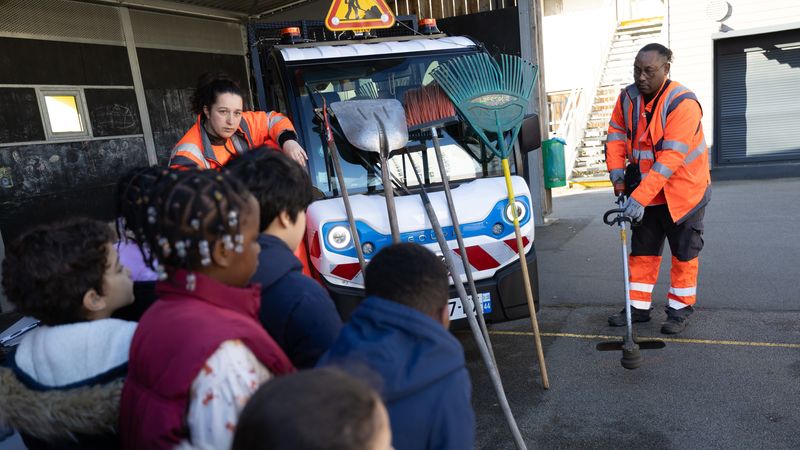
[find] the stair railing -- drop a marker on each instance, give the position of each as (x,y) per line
(586,94)
(569,127)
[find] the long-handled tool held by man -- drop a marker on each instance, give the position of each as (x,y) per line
(630,346)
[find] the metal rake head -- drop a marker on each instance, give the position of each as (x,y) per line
(492,97)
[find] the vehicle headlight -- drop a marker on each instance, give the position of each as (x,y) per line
(339,237)
(521,211)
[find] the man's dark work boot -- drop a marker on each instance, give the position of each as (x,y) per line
(637,315)
(676,320)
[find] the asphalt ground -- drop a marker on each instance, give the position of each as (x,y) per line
(730,380)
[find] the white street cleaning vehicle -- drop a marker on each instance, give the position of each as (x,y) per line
(303,76)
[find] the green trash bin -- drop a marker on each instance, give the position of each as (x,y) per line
(555,171)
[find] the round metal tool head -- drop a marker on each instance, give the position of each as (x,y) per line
(631,358)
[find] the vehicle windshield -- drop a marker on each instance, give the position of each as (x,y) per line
(464,156)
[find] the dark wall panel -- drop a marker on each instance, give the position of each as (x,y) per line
(20,120)
(46,182)
(167,69)
(113,112)
(475,26)
(169,118)
(32,61)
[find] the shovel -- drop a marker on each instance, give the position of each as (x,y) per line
(364,124)
(630,346)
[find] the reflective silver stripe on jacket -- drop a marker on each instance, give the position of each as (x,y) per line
(697,151)
(273,119)
(667,101)
(615,125)
(613,137)
(626,107)
(208,150)
(183,161)
(246,128)
(678,146)
(662,169)
(639,155)
(192,149)
(240,144)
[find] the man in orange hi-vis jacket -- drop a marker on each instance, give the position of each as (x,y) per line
(656,125)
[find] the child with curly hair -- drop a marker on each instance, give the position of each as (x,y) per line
(64,380)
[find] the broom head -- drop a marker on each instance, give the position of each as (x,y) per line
(493,97)
(427,107)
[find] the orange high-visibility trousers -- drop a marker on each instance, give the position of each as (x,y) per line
(647,243)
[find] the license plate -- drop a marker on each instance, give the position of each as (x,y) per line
(457,312)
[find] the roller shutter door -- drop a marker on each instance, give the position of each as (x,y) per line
(758,98)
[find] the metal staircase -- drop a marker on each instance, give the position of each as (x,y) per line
(590,167)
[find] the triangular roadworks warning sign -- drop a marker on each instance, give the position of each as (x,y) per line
(359,15)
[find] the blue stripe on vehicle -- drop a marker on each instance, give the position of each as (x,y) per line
(427,236)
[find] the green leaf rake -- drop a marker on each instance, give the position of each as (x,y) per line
(492,97)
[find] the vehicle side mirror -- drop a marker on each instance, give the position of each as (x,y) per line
(530,135)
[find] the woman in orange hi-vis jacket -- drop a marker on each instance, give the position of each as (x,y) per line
(223,130)
(656,124)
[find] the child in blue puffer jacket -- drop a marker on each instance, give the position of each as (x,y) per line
(400,333)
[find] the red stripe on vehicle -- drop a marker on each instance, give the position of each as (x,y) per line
(479,259)
(316,251)
(347,271)
(513,243)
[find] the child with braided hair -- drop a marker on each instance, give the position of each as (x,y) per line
(199,351)
(134,187)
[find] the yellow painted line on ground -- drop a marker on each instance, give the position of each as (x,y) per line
(665,339)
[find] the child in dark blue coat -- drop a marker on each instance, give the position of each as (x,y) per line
(400,332)
(295,310)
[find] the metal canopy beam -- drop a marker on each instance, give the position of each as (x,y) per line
(232,10)
(282,6)
(177,7)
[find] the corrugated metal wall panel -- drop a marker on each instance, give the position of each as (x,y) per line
(759,84)
(60,20)
(165,31)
